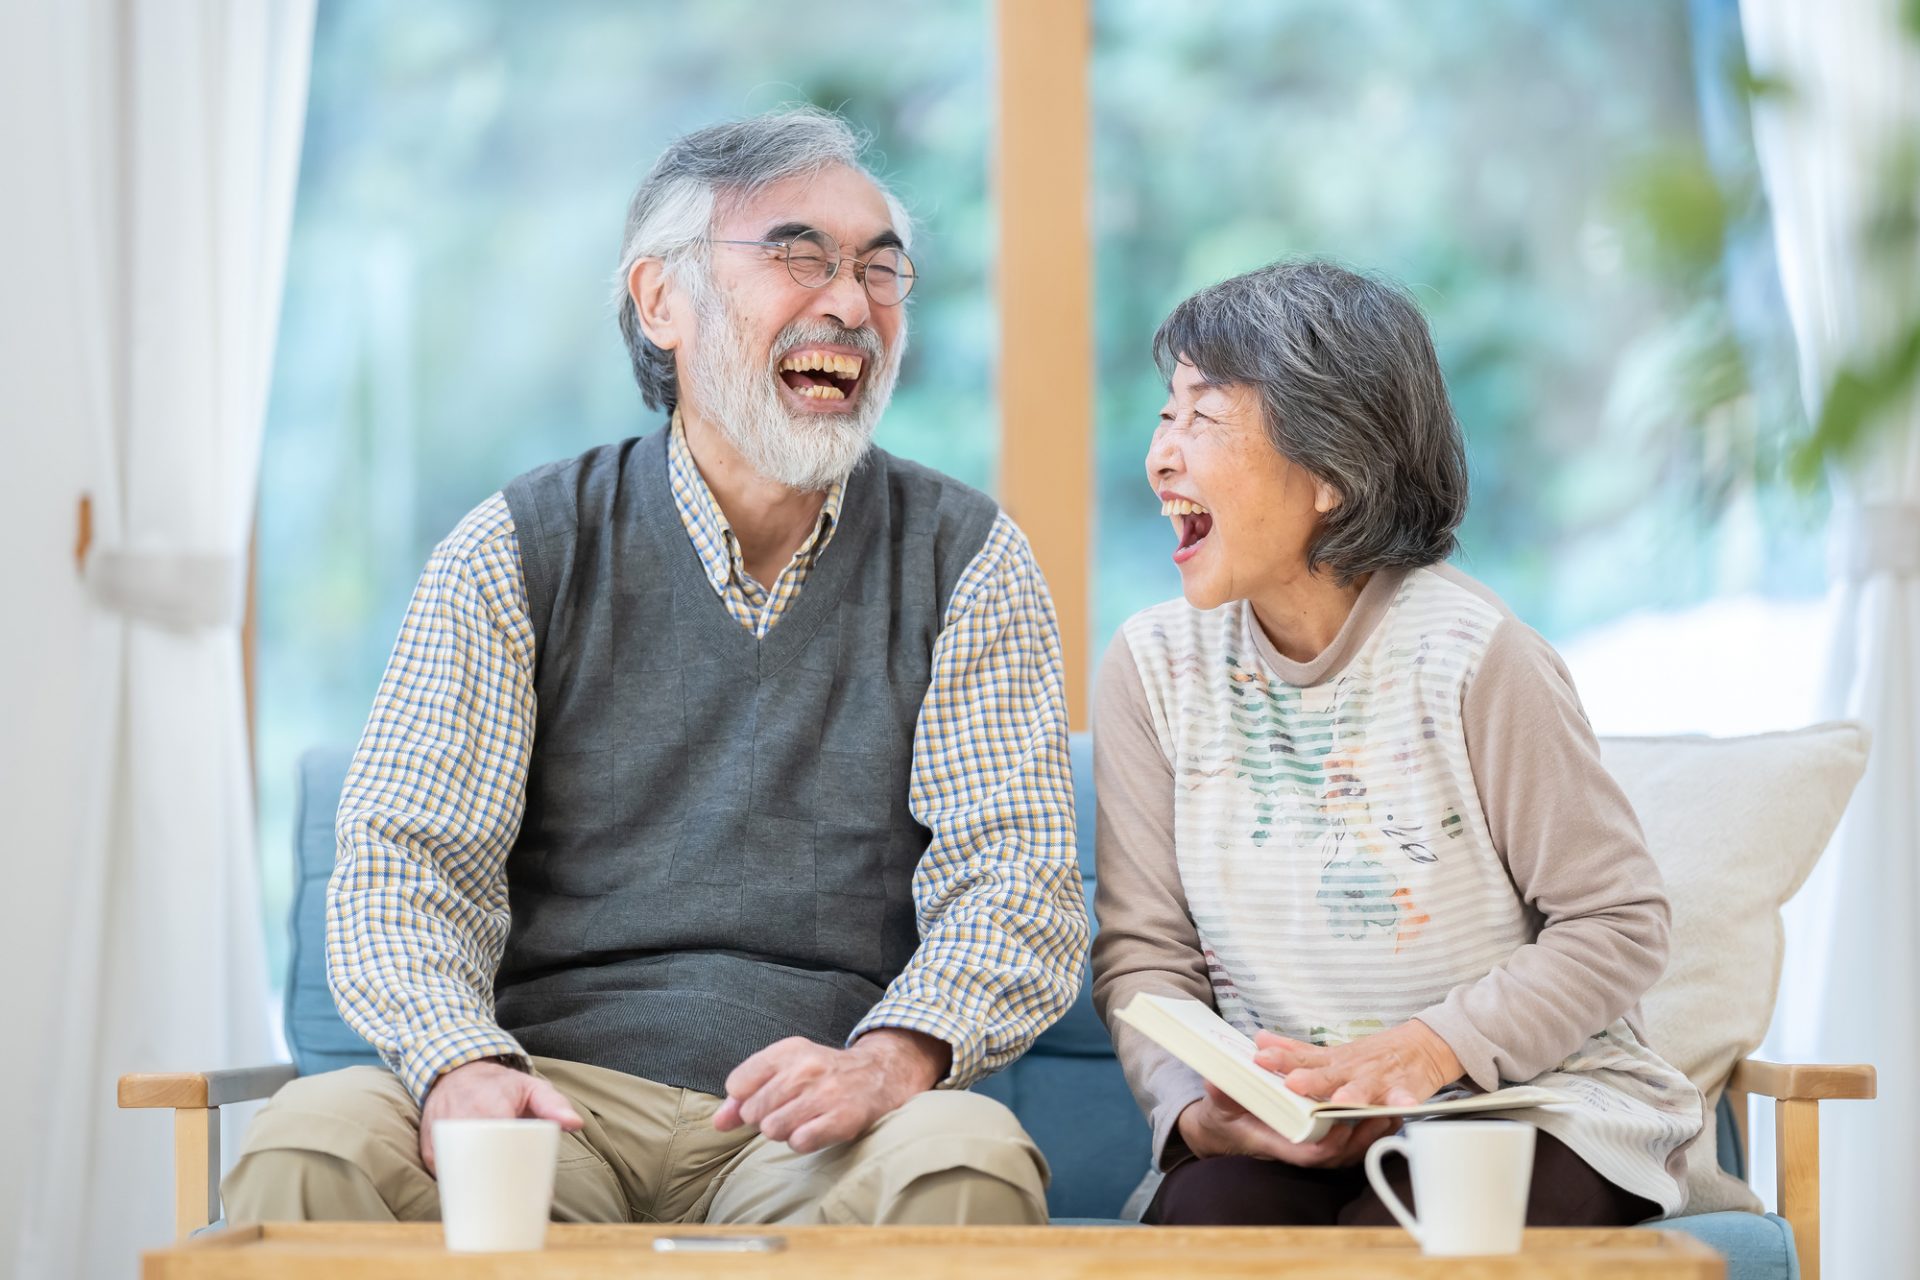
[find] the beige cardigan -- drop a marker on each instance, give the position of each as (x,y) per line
(1563,830)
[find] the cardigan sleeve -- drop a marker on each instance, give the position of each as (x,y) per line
(1575,853)
(1147,940)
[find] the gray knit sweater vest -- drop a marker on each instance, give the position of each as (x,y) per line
(717,850)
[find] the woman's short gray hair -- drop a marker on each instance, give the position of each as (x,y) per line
(672,213)
(1350,390)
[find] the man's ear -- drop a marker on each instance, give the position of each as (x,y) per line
(1326,498)
(656,302)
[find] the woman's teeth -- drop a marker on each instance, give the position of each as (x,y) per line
(1191,525)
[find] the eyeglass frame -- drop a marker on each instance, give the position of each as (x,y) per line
(859,265)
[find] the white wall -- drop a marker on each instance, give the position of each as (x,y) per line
(44,458)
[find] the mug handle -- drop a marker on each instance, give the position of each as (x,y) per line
(1375,1154)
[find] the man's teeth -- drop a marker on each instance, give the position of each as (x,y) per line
(1181,507)
(822,393)
(824,361)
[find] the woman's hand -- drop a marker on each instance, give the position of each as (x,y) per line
(1400,1067)
(1216,1125)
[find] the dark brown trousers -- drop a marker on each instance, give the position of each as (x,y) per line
(1241,1191)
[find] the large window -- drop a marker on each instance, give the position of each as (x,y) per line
(447,323)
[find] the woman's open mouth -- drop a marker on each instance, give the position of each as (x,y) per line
(1191,522)
(823,378)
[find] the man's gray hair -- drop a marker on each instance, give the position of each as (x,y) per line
(1350,390)
(697,178)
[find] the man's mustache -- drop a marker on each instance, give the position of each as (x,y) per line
(864,340)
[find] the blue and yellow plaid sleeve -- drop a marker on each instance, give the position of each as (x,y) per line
(417,906)
(1002,916)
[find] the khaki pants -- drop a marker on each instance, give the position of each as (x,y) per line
(346,1145)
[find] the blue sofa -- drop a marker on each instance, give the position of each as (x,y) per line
(1068,1090)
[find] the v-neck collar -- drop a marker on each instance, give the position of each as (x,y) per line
(713,627)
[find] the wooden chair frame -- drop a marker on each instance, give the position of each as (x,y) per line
(196,1098)
(1797,1091)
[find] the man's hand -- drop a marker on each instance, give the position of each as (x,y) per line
(1216,1125)
(1400,1067)
(810,1096)
(487,1090)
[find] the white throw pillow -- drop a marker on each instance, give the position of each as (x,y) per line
(1736,825)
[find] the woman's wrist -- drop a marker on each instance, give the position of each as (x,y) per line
(1447,1066)
(1189,1129)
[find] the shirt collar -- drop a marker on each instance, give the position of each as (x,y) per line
(706,525)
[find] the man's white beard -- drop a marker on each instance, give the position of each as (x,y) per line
(804,451)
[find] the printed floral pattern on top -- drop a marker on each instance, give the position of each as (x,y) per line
(1359,888)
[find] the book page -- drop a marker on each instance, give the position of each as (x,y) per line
(1225,1057)
(1513,1098)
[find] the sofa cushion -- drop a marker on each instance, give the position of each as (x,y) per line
(1757,1246)
(317,1037)
(1735,825)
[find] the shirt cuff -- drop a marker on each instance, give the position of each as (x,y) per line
(1475,1051)
(456,1046)
(968,1053)
(1169,1148)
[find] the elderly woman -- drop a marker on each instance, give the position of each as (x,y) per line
(1349,800)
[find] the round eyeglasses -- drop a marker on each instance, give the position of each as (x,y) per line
(813,259)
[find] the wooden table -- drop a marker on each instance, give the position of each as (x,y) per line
(413,1251)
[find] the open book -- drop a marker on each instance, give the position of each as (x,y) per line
(1204,1041)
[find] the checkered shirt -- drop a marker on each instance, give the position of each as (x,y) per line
(417,916)
(753,606)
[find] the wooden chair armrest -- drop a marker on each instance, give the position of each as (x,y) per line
(195,1098)
(1797,1090)
(203,1088)
(1803,1081)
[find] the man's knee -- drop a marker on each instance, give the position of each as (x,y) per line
(956,1157)
(345,1144)
(966,1197)
(369,1097)
(944,1113)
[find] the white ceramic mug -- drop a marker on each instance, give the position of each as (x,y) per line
(1470,1179)
(496,1182)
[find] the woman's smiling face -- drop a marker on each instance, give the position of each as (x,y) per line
(1242,514)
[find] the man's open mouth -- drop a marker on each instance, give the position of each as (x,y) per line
(1191,522)
(815,374)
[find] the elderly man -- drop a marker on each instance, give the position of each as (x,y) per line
(715,803)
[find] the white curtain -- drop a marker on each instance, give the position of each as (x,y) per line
(1852,990)
(180,130)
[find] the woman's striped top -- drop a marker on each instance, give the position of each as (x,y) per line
(1414,824)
